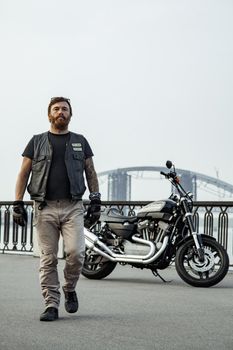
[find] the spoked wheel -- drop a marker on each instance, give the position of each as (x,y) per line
(96,267)
(205,273)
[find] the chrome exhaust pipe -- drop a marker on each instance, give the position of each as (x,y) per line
(93,243)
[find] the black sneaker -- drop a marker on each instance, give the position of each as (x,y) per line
(71,302)
(50,314)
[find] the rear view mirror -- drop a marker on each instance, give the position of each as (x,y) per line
(168,164)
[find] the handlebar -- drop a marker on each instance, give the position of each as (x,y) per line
(163,173)
(174,179)
(171,174)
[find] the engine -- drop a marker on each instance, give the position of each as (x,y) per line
(153,230)
(118,236)
(135,248)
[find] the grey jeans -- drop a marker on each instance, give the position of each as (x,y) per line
(59,217)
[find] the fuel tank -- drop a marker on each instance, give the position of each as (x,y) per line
(162,209)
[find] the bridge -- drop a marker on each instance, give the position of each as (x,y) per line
(120,180)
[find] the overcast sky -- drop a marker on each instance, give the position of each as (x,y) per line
(148,80)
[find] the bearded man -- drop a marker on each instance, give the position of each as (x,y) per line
(56,161)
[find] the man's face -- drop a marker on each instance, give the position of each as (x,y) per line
(60,115)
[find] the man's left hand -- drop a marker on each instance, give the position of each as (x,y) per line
(94,208)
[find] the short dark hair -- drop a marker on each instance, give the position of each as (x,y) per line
(59,99)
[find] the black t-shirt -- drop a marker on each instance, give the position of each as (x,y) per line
(58,185)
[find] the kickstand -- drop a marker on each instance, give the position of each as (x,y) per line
(156,274)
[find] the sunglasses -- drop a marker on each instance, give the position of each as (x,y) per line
(64,98)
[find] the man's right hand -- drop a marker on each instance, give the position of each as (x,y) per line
(19,213)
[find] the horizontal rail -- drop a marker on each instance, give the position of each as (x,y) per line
(212,218)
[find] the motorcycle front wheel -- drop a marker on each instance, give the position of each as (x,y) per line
(202,274)
(96,267)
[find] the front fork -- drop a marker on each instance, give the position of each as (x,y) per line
(196,236)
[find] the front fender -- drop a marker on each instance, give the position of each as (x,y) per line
(189,238)
(202,235)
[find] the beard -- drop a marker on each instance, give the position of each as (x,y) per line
(60,122)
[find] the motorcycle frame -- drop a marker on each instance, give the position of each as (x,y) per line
(188,216)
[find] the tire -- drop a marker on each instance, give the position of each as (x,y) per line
(95,267)
(202,274)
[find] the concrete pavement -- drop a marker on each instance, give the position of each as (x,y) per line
(131,309)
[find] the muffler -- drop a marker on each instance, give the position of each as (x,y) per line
(93,243)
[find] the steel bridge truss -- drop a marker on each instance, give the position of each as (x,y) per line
(120,180)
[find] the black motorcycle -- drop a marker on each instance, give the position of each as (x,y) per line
(161,233)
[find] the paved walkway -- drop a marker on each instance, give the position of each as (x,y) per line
(129,310)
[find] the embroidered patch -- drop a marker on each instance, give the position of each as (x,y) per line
(77,147)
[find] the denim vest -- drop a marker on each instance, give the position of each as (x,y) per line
(74,161)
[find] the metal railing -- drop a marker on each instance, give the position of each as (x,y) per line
(212,218)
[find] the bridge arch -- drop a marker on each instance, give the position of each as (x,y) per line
(119,181)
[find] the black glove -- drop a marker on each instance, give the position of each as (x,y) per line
(20,216)
(94,208)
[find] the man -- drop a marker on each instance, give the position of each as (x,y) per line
(57,161)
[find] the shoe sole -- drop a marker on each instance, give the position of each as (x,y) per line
(43,320)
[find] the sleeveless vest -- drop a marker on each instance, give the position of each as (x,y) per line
(74,161)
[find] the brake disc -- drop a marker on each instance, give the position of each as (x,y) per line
(203,266)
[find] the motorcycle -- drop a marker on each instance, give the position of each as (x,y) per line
(162,233)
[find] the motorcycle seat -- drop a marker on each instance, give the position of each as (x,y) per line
(114,215)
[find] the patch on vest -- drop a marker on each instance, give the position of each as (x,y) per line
(77,147)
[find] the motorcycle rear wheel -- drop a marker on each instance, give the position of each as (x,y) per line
(96,268)
(202,274)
